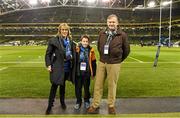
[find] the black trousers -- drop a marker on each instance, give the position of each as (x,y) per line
(53,90)
(82,80)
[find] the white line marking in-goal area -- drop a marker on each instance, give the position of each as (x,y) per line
(136,59)
(3,68)
(40,62)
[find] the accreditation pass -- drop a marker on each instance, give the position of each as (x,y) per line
(83,66)
(106,49)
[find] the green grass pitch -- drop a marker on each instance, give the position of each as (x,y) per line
(23,73)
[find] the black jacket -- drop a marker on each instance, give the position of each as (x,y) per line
(55,57)
(91,61)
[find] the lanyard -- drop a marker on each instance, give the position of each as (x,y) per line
(109,39)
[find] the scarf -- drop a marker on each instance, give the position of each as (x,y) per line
(83,54)
(67,45)
(110,35)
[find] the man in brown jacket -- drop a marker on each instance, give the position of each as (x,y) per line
(113,49)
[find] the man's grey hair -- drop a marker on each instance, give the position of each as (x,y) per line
(113,15)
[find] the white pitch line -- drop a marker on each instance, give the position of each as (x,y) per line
(136,59)
(31,62)
(158,62)
(14,62)
(3,68)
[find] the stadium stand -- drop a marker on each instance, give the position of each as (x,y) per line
(42,23)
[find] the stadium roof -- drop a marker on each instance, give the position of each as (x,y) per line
(9,5)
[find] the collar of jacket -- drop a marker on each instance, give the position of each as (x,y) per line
(60,38)
(119,31)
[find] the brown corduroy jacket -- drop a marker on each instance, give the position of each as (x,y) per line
(119,47)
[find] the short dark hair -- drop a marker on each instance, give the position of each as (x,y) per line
(85,36)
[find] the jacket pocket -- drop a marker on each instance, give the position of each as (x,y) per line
(116,51)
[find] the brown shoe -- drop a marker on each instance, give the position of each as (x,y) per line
(92,110)
(112,110)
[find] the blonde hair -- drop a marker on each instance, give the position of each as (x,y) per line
(67,27)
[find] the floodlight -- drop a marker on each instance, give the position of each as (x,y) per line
(138,7)
(91,1)
(165,3)
(106,1)
(33,2)
(81,0)
(151,4)
(45,1)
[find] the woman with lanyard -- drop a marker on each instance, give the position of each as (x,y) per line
(60,61)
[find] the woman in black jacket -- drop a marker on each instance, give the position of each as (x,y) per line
(60,62)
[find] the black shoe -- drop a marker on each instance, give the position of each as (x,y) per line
(63,106)
(48,111)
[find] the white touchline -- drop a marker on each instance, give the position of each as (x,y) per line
(158,62)
(14,62)
(31,62)
(136,59)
